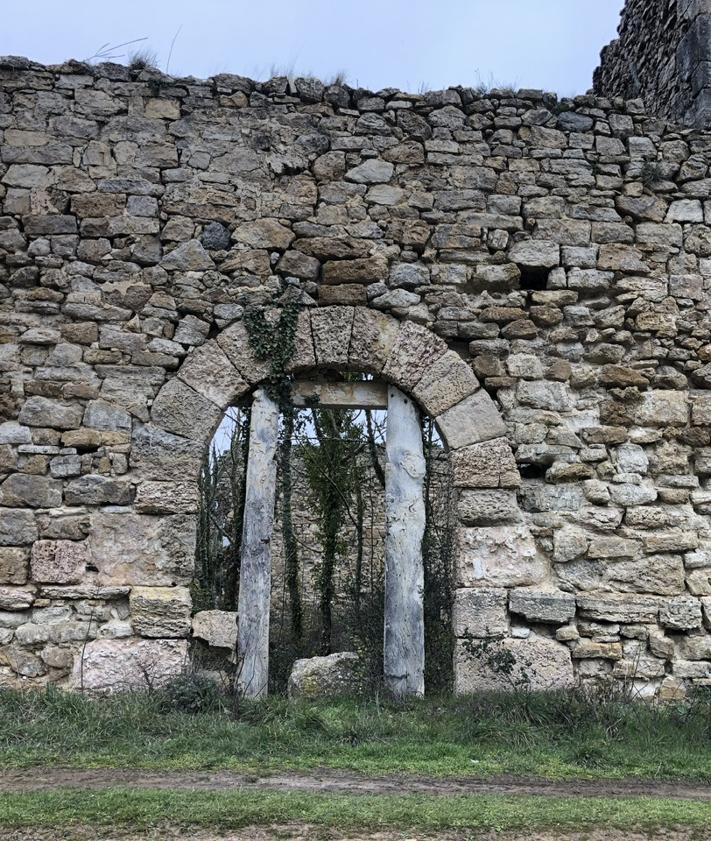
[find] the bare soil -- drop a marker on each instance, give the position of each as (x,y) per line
(43,779)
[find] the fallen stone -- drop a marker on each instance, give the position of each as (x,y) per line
(333,676)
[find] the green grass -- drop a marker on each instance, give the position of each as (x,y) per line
(235,809)
(558,737)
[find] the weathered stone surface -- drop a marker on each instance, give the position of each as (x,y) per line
(414,351)
(550,606)
(23,489)
(611,607)
(331,330)
(41,411)
(680,614)
(125,665)
(540,664)
(487,465)
(17,527)
(13,565)
(97,490)
(445,383)
(264,233)
(59,561)
(188,257)
(487,507)
(167,498)
(372,338)
(138,549)
(480,613)
(497,556)
(182,411)
(209,372)
(218,628)
(663,408)
(373,171)
(155,453)
(535,253)
(160,611)
(471,421)
(334,676)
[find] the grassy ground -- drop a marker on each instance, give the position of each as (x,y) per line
(559,737)
(232,810)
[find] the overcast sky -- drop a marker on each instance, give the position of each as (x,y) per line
(410,44)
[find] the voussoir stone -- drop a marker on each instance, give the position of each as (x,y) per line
(331,328)
(182,411)
(471,421)
(234,342)
(414,351)
(209,372)
(446,382)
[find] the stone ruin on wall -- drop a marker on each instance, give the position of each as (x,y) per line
(533,273)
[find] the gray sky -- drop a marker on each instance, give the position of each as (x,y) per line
(550,44)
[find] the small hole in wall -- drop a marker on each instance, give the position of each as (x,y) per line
(532,471)
(533,279)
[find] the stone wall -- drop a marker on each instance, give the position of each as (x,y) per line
(534,272)
(663,55)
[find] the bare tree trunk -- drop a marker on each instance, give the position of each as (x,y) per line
(404,646)
(256,550)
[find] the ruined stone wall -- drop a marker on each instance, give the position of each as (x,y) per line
(663,55)
(535,273)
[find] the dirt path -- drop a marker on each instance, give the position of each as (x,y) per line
(42,779)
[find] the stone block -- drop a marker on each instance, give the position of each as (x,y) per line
(613,607)
(364,270)
(543,394)
(657,574)
(372,171)
(331,328)
(42,411)
(497,556)
(264,233)
(471,421)
(487,507)
(107,417)
(160,611)
(663,408)
(480,613)
(414,351)
(535,254)
(372,339)
(139,549)
(587,649)
(17,527)
(218,628)
(16,598)
(188,256)
(680,614)
(335,675)
(128,665)
(156,454)
(234,342)
(444,384)
(182,411)
(59,561)
(167,497)
(25,489)
(13,564)
(209,372)
(94,489)
(547,606)
(487,465)
(540,664)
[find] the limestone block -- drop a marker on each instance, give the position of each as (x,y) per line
(264,233)
(569,543)
(613,607)
(497,556)
(160,611)
(17,527)
(487,465)
(680,614)
(535,254)
(444,384)
(697,647)
(298,264)
(548,606)
(586,649)
(413,352)
(94,489)
(188,256)
(234,341)
(627,494)
(487,507)
(372,171)
(612,547)
(663,408)
(25,489)
(42,411)
(167,498)
(218,628)
(327,677)
(541,664)
(13,564)
(699,582)
(372,339)
(364,270)
(304,356)
(59,561)
(182,411)
(209,372)
(16,598)
(631,458)
(544,394)
(331,328)
(156,454)
(12,432)
(658,574)
(123,665)
(480,613)
(471,421)
(139,549)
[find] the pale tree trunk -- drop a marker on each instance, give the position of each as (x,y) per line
(256,551)
(404,647)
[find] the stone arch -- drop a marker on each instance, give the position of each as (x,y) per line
(495,555)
